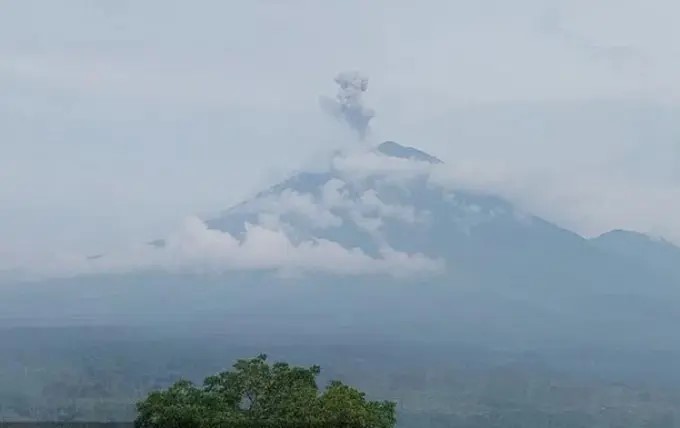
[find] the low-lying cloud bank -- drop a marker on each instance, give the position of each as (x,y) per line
(264,247)
(196,247)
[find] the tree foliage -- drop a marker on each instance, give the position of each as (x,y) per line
(257,394)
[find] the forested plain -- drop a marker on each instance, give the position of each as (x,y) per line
(100,374)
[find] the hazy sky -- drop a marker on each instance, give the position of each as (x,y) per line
(120,118)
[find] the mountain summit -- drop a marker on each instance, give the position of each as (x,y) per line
(390,148)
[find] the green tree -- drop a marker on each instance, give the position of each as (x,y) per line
(257,394)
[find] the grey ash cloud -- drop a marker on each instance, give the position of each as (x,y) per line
(348,104)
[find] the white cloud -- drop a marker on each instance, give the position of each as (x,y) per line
(196,248)
(290,201)
(584,201)
(364,205)
(371,203)
(577,194)
(266,248)
(361,164)
(333,193)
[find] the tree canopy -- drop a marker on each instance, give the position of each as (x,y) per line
(258,394)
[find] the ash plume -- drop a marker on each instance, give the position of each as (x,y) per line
(348,103)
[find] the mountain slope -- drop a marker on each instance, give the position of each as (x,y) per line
(399,203)
(379,244)
(658,254)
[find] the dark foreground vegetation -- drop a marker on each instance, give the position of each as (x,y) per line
(99,374)
(257,394)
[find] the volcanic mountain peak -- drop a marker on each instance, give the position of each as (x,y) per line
(390,148)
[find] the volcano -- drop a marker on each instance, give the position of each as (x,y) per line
(378,243)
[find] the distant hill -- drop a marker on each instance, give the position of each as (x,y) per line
(658,254)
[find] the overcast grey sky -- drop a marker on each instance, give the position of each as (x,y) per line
(120,118)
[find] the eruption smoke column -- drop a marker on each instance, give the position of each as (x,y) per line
(348,103)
